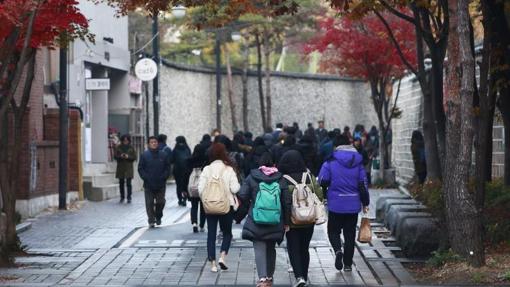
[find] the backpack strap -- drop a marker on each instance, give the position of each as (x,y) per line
(287,177)
(303,177)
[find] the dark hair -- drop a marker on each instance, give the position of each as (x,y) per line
(219,152)
(265,159)
(223,139)
(279,125)
(295,124)
(417,136)
(161,138)
(180,140)
(206,138)
(290,140)
(248,135)
(346,128)
(152,138)
(258,141)
(125,137)
(321,122)
(332,134)
(341,140)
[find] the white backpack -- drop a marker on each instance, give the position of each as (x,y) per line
(194,178)
(303,202)
(215,197)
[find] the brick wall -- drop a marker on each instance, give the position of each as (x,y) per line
(51,133)
(38,160)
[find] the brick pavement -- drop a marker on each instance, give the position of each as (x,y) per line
(108,244)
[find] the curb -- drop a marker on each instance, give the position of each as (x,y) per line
(23,227)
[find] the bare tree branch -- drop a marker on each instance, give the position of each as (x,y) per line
(395,43)
(397,13)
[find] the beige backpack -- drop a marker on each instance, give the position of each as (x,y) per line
(303,202)
(215,197)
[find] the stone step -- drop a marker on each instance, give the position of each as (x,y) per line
(100,193)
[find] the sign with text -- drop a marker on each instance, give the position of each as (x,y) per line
(97,84)
(146,69)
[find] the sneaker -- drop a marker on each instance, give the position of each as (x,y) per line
(300,282)
(195,228)
(129,200)
(214,269)
(348,268)
(121,200)
(202,229)
(338,261)
(158,221)
(263,282)
(151,225)
(222,264)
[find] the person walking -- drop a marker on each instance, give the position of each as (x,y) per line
(154,169)
(218,177)
(196,163)
(321,133)
(299,236)
(180,156)
(268,216)
(164,147)
(418,153)
(347,192)
(125,155)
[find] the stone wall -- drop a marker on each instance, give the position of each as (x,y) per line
(410,101)
(188,101)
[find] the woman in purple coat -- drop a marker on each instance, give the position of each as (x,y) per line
(343,174)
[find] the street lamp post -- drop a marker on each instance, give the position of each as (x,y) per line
(217,51)
(178,12)
(155,82)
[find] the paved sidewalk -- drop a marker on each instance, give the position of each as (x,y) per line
(108,244)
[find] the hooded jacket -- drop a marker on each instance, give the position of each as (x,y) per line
(248,194)
(343,173)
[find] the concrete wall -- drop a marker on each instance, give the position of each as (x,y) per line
(188,102)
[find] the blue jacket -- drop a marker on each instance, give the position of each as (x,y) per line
(154,169)
(345,175)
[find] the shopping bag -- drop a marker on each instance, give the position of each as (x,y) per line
(365,233)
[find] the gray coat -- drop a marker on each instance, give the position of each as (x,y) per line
(248,194)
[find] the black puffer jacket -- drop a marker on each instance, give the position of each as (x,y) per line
(248,194)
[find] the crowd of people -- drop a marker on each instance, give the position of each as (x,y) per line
(262,183)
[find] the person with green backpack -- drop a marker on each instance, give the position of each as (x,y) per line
(268,216)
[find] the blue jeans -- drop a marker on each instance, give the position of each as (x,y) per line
(225,226)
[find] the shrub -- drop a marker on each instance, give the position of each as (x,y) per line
(497,212)
(440,258)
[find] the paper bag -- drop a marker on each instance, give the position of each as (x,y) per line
(365,233)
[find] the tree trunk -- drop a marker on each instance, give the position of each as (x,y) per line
(230,91)
(259,79)
(429,129)
(10,150)
(244,80)
(267,75)
(485,119)
(463,218)
(378,97)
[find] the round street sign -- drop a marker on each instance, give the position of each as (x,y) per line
(146,69)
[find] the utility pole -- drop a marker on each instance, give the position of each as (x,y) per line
(155,83)
(63,131)
(217,52)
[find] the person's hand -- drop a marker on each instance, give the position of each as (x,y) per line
(287,228)
(365,209)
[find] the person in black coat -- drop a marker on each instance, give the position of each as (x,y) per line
(252,160)
(180,157)
(154,169)
(199,160)
(265,237)
(298,236)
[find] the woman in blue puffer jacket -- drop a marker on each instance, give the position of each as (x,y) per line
(343,174)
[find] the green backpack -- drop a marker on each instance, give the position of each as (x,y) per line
(267,207)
